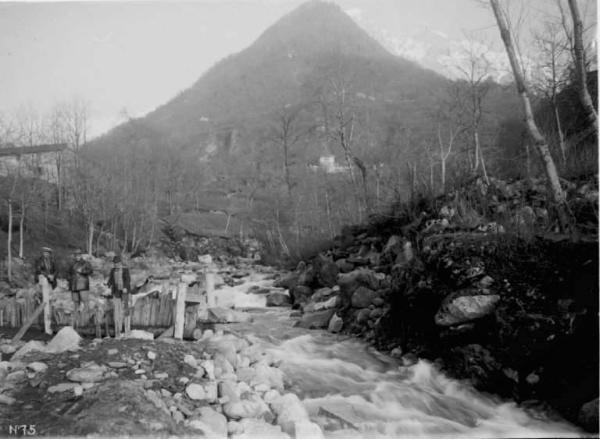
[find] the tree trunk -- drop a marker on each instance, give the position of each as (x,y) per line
(21,228)
(579,55)
(561,136)
(90,246)
(286,166)
(539,141)
(9,242)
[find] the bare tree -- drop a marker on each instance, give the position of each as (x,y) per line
(580,66)
(287,132)
(475,69)
(558,195)
(553,67)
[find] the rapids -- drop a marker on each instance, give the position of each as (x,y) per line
(374,395)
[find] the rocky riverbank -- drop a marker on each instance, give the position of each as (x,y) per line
(514,312)
(219,386)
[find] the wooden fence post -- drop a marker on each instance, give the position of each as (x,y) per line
(46,301)
(180,310)
(209,277)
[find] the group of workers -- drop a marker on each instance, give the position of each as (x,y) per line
(78,277)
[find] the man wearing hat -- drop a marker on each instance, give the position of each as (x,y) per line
(79,284)
(45,274)
(45,266)
(119,282)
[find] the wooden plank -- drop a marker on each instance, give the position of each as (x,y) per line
(210,288)
(46,301)
(180,311)
(35,149)
(28,323)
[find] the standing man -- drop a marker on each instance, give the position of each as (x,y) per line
(45,275)
(45,266)
(79,284)
(119,282)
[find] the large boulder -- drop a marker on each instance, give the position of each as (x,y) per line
(301,294)
(251,407)
(363,297)
(332,302)
(344,266)
(87,374)
(327,272)
(336,323)
(307,276)
(227,315)
(288,282)
(278,299)
(588,416)
(212,423)
(316,319)
(289,410)
(349,282)
(30,346)
(464,306)
(67,339)
(322,294)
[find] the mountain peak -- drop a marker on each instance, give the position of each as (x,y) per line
(319,26)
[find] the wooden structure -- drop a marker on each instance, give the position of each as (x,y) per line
(16,151)
(156,310)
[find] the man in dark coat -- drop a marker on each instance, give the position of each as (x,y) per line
(79,284)
(45,266)
(119,282)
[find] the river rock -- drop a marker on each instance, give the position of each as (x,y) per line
(278,299)
(37,367)
(306,430)
(265,374)
(8,349)
(316,319)
(196,392)
(464,306)
(344,266)
(336,323)
(230,390)
(252,407)
(342,411)
(375,313)
(363,297)
(362,316)
(288,282)
(588,416)
(393,247)
(62,387)
(289,410)
(30,346)
(327,272)
(349,282)
(88,374)
(322,294)
(7,400)
(226,315)
(318,306)
(139,334)
(223,364)
(190,360)
(212,423)
(301,294)
(211,391)
(256,428)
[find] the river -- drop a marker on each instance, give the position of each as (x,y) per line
(375,394)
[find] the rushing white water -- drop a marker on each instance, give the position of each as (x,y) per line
(377,396)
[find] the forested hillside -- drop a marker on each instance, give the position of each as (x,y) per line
(313,126)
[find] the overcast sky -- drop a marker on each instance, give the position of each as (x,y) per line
(134,56)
